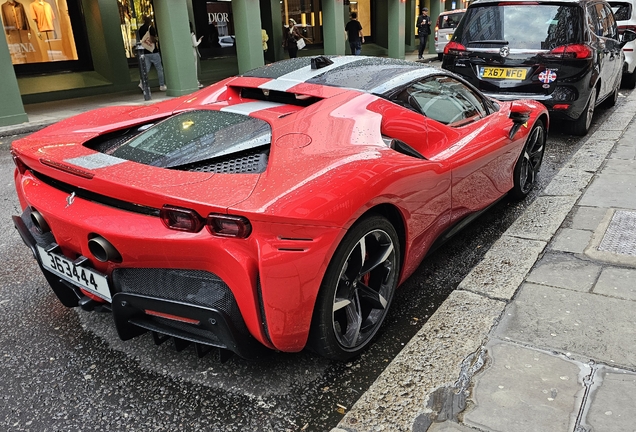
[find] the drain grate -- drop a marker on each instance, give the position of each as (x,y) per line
(620,236)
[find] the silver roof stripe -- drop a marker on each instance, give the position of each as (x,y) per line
(249,107)
(94,161)
(403,79)
(287,81)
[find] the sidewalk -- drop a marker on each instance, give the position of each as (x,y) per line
(541,335)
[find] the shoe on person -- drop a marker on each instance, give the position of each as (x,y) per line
(140,86)
(163,88)
(200,85)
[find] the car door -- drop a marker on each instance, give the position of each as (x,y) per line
(603,45)
(467,133)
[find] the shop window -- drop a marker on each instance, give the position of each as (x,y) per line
(38,31)
(131,14)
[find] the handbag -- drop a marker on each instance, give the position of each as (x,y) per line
(148,41)
(300,43)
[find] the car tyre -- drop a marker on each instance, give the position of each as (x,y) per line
(357,289)
(581,126)
(440,56)
(628,80)
(529,162)
(612,98)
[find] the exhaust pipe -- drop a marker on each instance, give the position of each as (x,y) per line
(103,250)
(39,222)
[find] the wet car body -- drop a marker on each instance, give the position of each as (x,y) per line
(557,52)
(272,210)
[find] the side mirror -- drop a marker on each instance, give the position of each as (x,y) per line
(627,36)
(519,114)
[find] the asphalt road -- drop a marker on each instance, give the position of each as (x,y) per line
(66,370)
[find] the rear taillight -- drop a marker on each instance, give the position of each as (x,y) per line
(622,28)
(223,225)
(574,51)
(22,168)
(454,48)
(181,219)
(436,31)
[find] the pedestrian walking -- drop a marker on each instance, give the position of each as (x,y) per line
(148,37)
(291,36)
(354,34)
(197,55)
(423,31)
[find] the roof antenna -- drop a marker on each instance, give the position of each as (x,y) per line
(320,62)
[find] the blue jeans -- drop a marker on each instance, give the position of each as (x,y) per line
(423,40)
(155,59)
(356,47)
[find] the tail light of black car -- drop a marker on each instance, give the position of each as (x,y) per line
(454,48)
(571,51)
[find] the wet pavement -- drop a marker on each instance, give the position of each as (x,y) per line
(540,335)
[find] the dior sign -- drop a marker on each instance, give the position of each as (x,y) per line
(218,17)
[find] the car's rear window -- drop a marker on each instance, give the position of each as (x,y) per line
(622,10)
(522,26)
(449,20)
(195,136)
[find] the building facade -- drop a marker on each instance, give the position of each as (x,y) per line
(61,49)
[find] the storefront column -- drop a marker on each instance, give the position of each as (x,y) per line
(397,9)
(175,43)
(103,27)
(437,6)
(247,25)
(333,24)
(272,21)
(409,29)
(11,108)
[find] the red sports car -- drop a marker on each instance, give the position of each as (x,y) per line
(278,209)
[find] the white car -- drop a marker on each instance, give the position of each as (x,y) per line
(226,41)
(625,14)
(444,28)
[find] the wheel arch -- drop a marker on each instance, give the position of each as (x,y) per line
(393,214)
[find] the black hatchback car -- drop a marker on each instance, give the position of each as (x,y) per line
(563,53)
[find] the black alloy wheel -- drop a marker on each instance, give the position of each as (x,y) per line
(357,289)
(581,126)
(529,162)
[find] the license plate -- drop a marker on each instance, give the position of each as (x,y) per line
(83,277)
(502,73)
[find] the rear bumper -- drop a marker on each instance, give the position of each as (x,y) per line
(218,324)
(576,104)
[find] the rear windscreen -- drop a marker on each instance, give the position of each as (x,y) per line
(195,136)
(521,26)
(622,10)
(450,20)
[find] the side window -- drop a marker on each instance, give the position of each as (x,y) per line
(443,99)
(611,23)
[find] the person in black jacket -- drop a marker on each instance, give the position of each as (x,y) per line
(423,30)
(354,34)
(147,31)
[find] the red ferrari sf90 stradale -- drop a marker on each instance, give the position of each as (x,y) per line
(275,210)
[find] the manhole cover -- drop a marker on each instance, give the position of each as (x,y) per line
(620,236)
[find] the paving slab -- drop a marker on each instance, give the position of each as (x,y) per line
(611,190)
(448,426)
(612,405)
(617,121)
(568,182)
(617,282)
(542,218)
(571,240)
(614,240)
(504,267)
(586,324)
(525,390)
(587,218)
(430,360)
(565,271)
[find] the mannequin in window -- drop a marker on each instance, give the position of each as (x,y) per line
(43,15)
(14,17)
